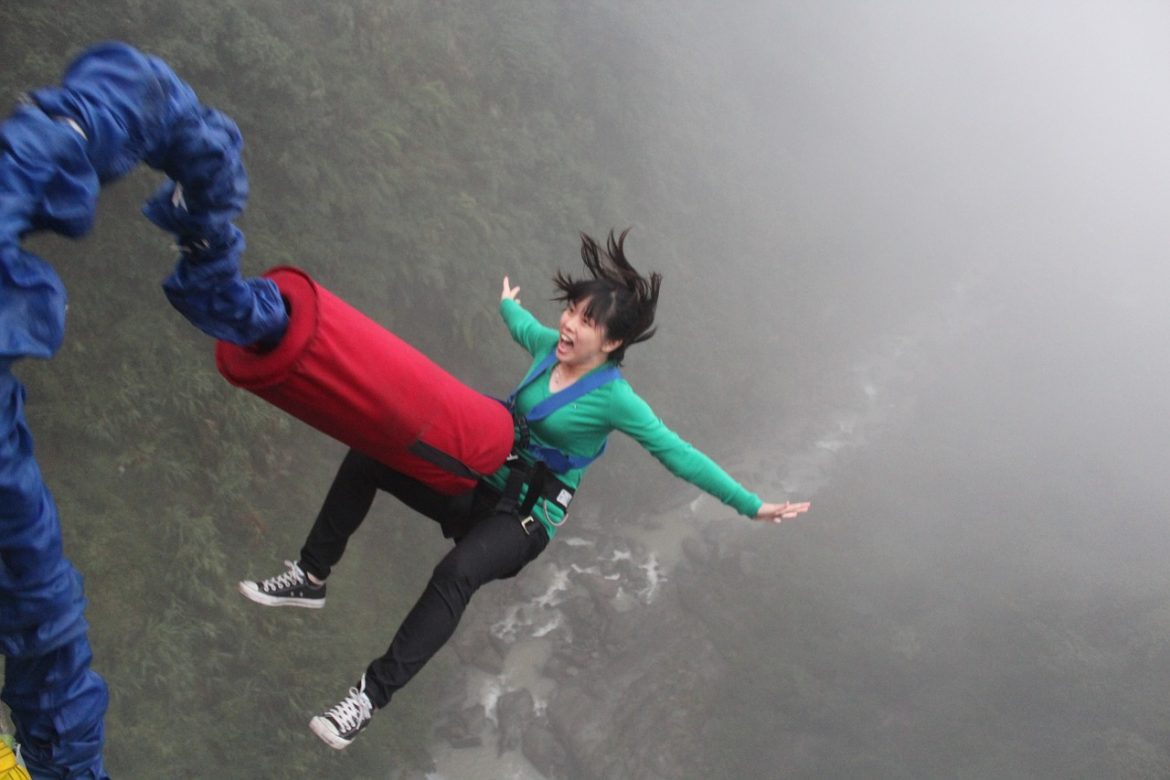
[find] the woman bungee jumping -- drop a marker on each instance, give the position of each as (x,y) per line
(572,397)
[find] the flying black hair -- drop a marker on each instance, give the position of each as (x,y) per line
(619,298)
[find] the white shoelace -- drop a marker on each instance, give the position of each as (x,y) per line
(351,711)
(294,576)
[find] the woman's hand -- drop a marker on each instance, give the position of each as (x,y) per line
(775,513)
(510,293)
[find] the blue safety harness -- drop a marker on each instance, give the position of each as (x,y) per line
(557,461)
(540,475)
(547,461)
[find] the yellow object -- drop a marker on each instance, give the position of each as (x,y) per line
(11,768)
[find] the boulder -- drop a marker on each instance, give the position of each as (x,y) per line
(545,752)
(465,729)
(515,711)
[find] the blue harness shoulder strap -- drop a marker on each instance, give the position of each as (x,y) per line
(533,373)
(559,462)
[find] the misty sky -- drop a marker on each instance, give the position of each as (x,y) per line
(991,183)
(895,150)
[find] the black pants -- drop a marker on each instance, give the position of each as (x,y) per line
(489,545)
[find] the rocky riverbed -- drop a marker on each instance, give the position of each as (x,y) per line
(595,662)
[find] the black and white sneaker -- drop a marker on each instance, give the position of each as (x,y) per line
(288,589)
(339,724)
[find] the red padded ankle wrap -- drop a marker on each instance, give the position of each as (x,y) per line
(347,376)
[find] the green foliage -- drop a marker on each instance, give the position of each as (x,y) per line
(408,154)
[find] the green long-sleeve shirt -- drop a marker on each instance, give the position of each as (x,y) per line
(580,428)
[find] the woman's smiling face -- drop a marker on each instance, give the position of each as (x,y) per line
(583,341)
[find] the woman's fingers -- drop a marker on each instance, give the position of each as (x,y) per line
(775,513)
(509,291)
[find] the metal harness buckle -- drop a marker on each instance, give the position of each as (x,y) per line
(528,523)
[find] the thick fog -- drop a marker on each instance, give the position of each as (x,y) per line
(983,182)
(915,259)
(983,185)
(965,204)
